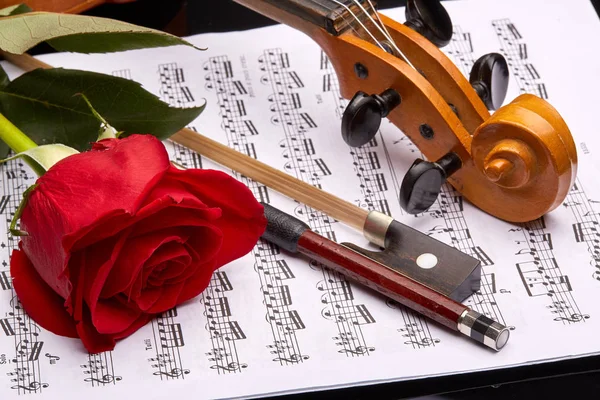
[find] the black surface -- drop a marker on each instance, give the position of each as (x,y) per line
(571,379)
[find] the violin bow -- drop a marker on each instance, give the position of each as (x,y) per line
(414,269)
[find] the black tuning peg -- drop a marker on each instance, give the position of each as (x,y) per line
(363,115)
(423,182)
(489,77)
(430,19)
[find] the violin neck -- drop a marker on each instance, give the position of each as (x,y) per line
(334,16)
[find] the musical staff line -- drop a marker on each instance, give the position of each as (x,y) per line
(26,376)
(302,160)
(99,370)
(541,276)
(461,50)
(586,228)
(514,49)
(122,73)
(273,272)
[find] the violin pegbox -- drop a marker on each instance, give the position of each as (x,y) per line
(516,164)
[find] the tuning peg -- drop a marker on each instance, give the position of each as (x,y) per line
(489,78)
(363,115)
(430,19)
(423,182)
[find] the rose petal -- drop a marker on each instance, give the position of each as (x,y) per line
(93,341)
(243,220)
(176,191)
(168,299)
(197,283)
(100,259)
(148,298)
(166,252)
(140,322)
(173,257)
(129,264)
(111,316)
(204,249)
(175,268)
(38,300)
(176,216)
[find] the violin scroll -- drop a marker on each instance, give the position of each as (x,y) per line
(526,148)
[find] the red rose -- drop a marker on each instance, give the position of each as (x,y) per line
(118,235)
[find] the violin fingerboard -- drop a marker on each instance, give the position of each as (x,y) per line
(328,14)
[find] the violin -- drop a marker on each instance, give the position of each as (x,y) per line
(516,162)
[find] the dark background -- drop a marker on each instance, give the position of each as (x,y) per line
(548,381)
(188,17)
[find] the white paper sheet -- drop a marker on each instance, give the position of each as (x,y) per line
(272,323)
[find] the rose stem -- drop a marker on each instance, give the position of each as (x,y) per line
(13,137)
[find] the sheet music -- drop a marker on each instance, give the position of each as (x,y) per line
(272,323)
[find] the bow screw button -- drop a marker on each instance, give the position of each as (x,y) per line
(423,182)
(362,117)
(489,77)
(430,19)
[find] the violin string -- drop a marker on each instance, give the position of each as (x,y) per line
(351,25)
(384,33)
(382,29)
(361,24)
(387,34)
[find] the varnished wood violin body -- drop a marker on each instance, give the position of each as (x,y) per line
(517,163)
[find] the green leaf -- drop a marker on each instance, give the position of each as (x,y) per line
(79,33)
(46,104)
(15,10)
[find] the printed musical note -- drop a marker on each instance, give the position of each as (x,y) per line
(461,50)
(5,282)
(229,330)
(4,202)
(171,85)
(7,327)
(52,359)
(172,336)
